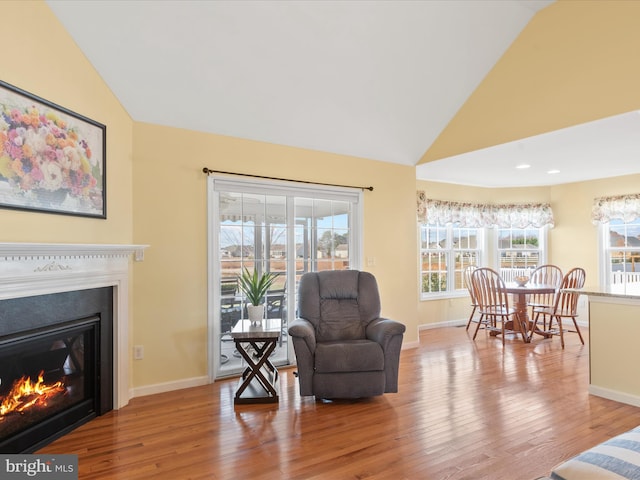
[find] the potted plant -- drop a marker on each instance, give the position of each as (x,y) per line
(255,287)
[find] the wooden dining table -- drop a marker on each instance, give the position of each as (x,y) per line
(519,294)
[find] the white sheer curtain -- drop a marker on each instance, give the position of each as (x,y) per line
(622,207)
(480,215)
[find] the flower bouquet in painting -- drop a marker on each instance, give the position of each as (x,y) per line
(49,159)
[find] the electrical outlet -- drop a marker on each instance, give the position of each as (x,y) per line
(138,352)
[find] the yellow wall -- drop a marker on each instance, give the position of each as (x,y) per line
(170,214)
(575,238)
(157,192)
(163,192)
(573,242)
(613,348)
(574,62)
(455,309)
(40,57)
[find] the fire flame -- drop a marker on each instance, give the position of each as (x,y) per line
(26,393)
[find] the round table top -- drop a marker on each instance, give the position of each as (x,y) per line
(528,288)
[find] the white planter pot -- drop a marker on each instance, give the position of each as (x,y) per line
(256,313)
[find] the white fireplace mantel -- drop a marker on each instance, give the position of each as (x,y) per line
(67,249)
(28,269)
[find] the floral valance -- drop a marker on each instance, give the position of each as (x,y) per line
(480,215)
(622,207)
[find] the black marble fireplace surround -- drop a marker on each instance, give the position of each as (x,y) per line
(67,338)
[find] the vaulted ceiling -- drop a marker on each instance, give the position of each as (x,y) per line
(375,79)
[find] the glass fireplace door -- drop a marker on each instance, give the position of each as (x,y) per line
(43,376)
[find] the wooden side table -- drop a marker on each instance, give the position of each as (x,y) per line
(259,381)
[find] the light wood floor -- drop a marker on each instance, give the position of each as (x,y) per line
(465,410)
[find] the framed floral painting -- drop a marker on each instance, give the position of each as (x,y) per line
(51,159)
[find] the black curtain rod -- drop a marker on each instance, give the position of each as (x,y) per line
(208,171)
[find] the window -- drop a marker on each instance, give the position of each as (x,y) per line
(279,227)
(322,233)
(446,250)
(621,242)
(453,234)
(520,250)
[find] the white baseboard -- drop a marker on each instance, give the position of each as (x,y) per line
(200,381)
(463,322)
(408,345)
(448,323)
(427,326)
(615,395)
(169,386)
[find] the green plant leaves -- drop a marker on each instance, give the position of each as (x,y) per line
(255,286)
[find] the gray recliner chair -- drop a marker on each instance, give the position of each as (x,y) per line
(343,348)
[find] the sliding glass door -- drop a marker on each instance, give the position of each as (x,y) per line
(284,228)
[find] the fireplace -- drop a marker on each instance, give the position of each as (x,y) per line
(56,369)
(64,353)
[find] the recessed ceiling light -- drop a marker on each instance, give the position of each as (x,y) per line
(523,166)
(553,171)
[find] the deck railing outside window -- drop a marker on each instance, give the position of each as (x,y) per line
(625,277)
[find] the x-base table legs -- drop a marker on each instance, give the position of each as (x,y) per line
(258,384)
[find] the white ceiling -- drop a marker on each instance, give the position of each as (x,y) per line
(609,147)
(373,79)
